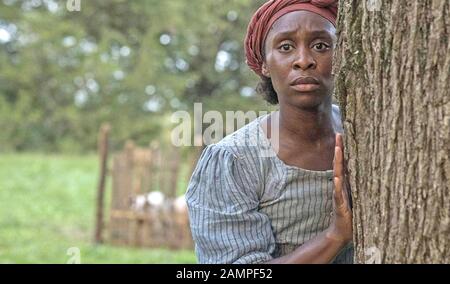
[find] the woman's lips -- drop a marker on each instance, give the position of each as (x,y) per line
(305,84)
(303,88)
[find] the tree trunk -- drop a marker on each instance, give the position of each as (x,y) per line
(392,82)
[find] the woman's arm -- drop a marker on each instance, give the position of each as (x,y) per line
(319,250)
(223,205)
(327,245)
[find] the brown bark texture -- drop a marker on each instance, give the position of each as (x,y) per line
(392,68)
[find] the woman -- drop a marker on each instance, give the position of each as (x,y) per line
(276,201)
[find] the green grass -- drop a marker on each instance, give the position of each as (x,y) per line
(47,205)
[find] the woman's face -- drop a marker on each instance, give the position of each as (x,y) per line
(300,45)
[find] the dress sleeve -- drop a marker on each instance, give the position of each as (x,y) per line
(223,210)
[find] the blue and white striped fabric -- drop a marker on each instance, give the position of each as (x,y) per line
(246,206)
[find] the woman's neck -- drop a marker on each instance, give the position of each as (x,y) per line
(306,125)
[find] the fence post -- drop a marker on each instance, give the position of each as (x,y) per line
(103,152)
(174,170)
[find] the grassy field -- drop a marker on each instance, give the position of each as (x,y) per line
(47,207)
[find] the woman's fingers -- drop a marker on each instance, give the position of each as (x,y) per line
(339,178)
(338,193)
(338,166)
(340,141)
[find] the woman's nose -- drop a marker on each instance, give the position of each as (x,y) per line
(304,60)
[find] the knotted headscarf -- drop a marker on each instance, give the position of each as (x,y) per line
(269,13)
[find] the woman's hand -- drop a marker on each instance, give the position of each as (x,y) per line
(341,229)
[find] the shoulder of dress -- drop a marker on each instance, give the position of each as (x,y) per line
(245,143)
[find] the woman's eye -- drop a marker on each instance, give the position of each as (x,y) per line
(321,46)
(285,47)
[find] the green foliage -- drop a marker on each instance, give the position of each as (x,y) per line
(129,63)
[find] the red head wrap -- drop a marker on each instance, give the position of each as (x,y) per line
(269,13)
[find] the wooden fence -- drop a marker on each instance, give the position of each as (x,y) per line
(145,210)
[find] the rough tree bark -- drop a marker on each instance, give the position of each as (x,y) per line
(392,82)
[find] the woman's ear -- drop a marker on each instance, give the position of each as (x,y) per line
(264,70)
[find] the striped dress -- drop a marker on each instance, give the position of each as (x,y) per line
(247,206)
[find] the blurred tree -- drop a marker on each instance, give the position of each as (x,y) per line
(131,63)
